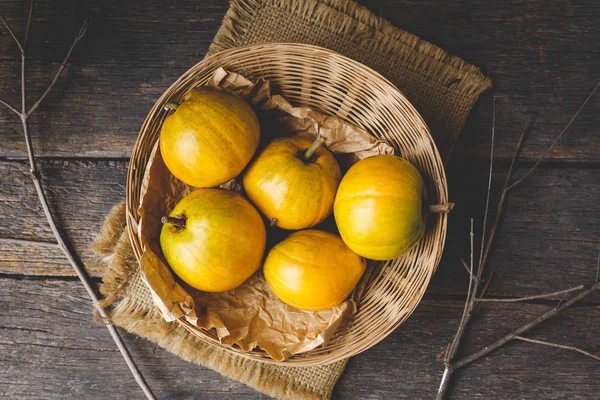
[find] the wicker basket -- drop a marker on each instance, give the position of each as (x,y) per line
(333,84)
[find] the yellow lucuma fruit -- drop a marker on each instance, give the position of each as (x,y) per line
(312,270)
(214,239)
(380,207)
(210,138)
(289,188)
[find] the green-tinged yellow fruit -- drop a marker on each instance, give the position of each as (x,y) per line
(210,138)
(287,186)
(312,270)
(380,207)
(214,239)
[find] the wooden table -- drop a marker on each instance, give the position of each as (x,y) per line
(544,59)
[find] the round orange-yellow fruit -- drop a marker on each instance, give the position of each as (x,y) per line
(312,270)
(295,191)
(380,207)
(214,239)
(210,138)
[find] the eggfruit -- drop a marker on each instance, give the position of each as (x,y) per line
(380,207)
(293,182)
(210,138)
(312,270)
(214,239)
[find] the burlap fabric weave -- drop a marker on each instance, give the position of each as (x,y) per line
(442,88)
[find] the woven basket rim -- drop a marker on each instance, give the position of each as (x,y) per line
(133,187)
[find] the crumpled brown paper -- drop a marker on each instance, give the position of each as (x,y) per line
(251,315)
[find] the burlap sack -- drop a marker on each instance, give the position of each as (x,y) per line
(442,88)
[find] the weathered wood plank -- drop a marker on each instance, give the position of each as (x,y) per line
(80,194)
(548,242)
(51,349)
(541,54)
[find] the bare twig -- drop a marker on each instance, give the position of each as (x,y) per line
(556,140)
(28,24)
(485,289)
(29,242)
(473,301)
(73,17)
(487,284)
(77,39)
(537,296)
(35,176)
(470,302)
(464,264)
(562,300)
(453,347)
(11,33)
(558,346)
(517,332)
(489,191)
(11,108)
(598,268)
(502,200)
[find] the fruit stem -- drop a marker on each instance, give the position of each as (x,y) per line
(310,152)
(441,208)
(171,106)
(273,222)
(178,222)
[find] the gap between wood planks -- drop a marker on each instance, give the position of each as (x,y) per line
(430,299)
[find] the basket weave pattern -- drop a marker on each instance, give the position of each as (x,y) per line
(311,76)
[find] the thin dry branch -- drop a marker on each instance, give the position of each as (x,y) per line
(453,348)
(61,243)
(12,34)
(518,332)
(449,369)
(472,301)
(488,195)
(534,297)
(487,284)
(502,200)
(474,280)
(558,346)
(464,320)
(77,39)
(29,17)
(11,108)
(598,268)
(464,264)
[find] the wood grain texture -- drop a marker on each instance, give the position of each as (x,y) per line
(80,194)
(548,240)
(550,229)
(51,349)
(542,55)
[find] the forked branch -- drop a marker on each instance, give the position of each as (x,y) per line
(35,176)
(473,296)
(528,298)
(77,39)
(517,332)
(558,346)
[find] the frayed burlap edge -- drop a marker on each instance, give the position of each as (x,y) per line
(360,25)
(133,311)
